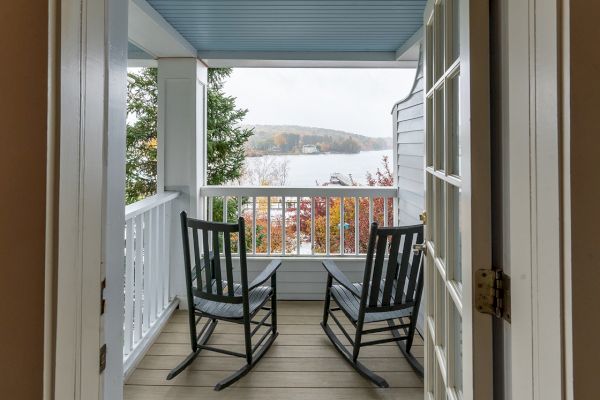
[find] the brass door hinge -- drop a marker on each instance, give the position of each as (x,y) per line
(102,358)
(492,293)
(423,217)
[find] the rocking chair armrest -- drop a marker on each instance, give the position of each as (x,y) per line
(265,274)
(338,275)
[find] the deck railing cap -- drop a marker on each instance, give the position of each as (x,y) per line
(139,207)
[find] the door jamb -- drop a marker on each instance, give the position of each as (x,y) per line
(534,222)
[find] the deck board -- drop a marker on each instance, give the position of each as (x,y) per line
(302,364)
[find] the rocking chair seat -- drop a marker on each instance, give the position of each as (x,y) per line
(256,298)
(350,304)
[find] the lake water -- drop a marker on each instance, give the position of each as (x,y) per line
(308,169)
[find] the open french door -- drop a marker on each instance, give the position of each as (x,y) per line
(458,339)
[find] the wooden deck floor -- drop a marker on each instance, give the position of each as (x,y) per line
(302,364)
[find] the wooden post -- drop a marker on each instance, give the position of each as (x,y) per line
(181,148)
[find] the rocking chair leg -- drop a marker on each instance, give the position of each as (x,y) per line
(405,348)
(358,366)
(191,357)
(183,365)
(327,299)
(246,368)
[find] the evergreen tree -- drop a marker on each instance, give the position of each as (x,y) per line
(142,100)
(226,139)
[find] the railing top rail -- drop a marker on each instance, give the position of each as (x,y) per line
(316,191)
(148,203)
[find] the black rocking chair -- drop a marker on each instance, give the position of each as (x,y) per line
(218,299)
(394,297)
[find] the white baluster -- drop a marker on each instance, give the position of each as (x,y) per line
(327,225)
(312,226)
(146,273)
(129,287)
(138,279)
(342,225)
(356,221)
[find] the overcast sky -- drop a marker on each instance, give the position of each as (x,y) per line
(352,100)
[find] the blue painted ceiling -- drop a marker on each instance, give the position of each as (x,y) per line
(294,25)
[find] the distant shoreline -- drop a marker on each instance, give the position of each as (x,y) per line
(311,154)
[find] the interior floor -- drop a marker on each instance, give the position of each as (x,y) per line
(302,364)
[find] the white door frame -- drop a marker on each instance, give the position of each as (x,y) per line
(88,207)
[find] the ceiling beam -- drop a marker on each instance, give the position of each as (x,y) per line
(149,31)
(307,59)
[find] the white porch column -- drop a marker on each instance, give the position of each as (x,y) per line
(182,148)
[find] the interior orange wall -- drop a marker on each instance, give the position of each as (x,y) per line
(23,105)
(585,194)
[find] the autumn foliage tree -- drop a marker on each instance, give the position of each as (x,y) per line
(306,212)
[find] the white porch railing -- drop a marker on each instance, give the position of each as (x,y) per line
(311,221)
(147,297)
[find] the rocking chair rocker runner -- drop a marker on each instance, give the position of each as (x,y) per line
(394,297)
(218,299)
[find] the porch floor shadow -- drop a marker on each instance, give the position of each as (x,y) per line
(302,364)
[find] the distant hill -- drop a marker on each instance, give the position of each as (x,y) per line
(293,139)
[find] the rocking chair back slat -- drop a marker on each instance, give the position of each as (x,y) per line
(217,263)
(207,262)
(377,270)
(198,267)
(188,274)
(392,269)
(228,266)
(403,270)
(415,271)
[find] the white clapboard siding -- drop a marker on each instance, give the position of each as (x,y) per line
(409,137)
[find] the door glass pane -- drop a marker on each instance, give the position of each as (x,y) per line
(429,56)
(440,221)
(453,125)
(440,386)
(438,128)
(430,206)
(430,379)
(456,332)
(440,311)
(455,23)
(429,131)
(439,39)
(455,234)
(429,288)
